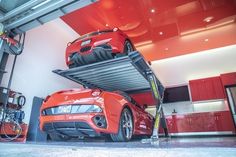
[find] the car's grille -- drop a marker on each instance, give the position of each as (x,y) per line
(84,49)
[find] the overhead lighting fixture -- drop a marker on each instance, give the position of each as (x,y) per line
(206,40)
(107,25)
(152,10)
(166,49)
(40,4)
(208,19)
(160,33)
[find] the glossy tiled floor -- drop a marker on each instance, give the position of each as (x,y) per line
(171,147)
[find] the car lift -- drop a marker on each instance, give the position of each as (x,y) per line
(129,73)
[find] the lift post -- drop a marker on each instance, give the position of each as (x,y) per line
(128,74)
(158,94)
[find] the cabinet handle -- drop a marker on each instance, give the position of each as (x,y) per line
(189,120)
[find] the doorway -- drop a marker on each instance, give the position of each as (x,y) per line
(231,93)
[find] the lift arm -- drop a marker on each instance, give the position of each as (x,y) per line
(129,73)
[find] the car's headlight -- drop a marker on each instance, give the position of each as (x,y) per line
(85,109)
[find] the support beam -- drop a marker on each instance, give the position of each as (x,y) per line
(20,9)
(23,18)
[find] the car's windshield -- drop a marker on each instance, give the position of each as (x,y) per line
(92,34)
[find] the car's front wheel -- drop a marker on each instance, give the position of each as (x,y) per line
(126,128)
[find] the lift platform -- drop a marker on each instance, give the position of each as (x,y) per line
(128,74)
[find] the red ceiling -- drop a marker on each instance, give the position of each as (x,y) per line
(162,29)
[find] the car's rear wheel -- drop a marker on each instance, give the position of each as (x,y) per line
(58,137)
(126,128)
(128,47)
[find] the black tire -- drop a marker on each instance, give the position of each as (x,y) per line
(58,137)
(126,127)
(128,47)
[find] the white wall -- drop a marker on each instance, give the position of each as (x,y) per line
(179,70)
(44,51)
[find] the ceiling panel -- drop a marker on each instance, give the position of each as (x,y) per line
(151,23)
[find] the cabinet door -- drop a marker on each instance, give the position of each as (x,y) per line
(194,89)
(228,79)
(206,89)
(224,121)
(218,88)
(171,124)
(209,122)
(183,123)
(197,122)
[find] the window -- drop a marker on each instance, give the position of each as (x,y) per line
(176,94)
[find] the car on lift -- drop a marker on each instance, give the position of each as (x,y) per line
(80,113)
(98,46)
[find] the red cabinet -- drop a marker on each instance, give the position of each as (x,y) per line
(206,89)
(224,121)
(201,122)
(228,79)
(171,123)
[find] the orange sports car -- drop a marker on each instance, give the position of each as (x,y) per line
(98,46)
(80,113)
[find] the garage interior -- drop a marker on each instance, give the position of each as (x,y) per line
(181,70)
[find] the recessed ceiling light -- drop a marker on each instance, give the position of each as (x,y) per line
(167,49)
(206,40)
(107,25)
(152,10)
(160,33)
(208,19)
